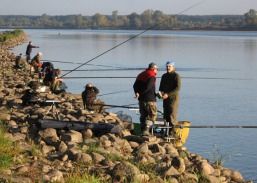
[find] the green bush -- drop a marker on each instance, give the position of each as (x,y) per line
(6,35)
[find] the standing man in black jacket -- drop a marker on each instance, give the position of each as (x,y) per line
(29,50)
(169,87)
(144,88)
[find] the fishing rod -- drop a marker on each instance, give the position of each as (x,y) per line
(128,77)
(98,65)
(113,93)
(163,124)
(133,37)
(213,126)
(59,101)
(120,106)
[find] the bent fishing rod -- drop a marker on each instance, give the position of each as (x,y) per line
(133,37)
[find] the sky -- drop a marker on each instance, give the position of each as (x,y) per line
(125,7)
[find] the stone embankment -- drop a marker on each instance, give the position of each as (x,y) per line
(50,155)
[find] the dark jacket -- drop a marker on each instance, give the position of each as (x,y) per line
(19,62)
(89,95)
(29,49)
(50,78)
(145,85)
(170,83)
(47,67)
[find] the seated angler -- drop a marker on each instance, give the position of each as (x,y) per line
(46,67)
(36,63)
(20,63)
(52,80)
(90,102)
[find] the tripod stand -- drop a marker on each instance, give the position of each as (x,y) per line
(52,109)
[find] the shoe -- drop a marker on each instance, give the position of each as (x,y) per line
(146,133)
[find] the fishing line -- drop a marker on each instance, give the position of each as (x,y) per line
(134,37)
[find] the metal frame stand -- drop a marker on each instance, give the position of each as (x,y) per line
(163,125)
(54,111)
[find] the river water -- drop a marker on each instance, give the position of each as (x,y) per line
(218,71)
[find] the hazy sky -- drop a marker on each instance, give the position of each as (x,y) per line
(124,7)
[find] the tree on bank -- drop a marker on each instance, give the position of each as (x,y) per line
(133,21)
(251,19)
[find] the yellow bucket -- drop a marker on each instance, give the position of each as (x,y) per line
(181,134)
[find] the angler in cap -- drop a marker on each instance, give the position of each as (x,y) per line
(29,50)
(52,80)
(144,88)
(36,62)
(90,102)
(169,88)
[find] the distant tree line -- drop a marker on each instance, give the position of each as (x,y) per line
(149,18)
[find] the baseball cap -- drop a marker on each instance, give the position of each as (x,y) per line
(58,70)
(170,63)
(39,53)
(153,66)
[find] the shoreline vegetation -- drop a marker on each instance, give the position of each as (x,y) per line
(149,18)
(31,154)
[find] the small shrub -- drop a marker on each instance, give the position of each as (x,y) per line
(217,157)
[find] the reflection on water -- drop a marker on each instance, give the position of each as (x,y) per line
(218,71)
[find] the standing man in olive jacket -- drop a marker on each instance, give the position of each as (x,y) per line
(144,88)
(169,87)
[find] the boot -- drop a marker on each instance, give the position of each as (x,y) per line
(146,131)
(171,132)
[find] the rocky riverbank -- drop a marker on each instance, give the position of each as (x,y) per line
(50,155)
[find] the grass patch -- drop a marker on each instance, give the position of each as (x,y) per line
(83,175)
(93,147)
(147,168)
(7,150)
(5,36)
(34,149)
(114,157)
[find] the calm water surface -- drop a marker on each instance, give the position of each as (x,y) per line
(218,71)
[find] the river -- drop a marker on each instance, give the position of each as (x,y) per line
(218,71)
